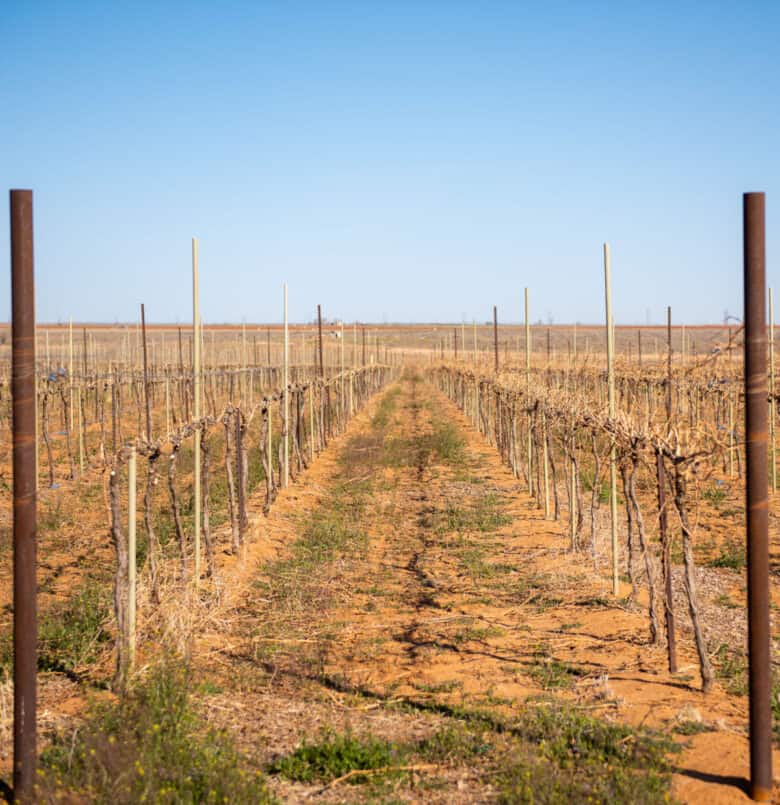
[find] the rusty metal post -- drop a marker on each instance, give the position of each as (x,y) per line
(25,586)
(495,335)
(757,484)
(364,346)
(455,342)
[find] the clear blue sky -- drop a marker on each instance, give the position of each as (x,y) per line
(405,160)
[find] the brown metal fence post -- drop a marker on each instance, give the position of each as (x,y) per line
(757,488)
(23,392)
(495,335)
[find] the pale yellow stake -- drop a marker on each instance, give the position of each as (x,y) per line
(196,404)
(70,369)
(343,396)
(285,428)
(81,428)
(311,419)
(611,403)
(131,542)
(546,469)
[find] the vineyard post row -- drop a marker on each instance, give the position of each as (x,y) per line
(563,406)
(338,398)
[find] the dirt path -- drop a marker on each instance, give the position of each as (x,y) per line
(408,590)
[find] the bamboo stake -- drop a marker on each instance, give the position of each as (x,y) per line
(70,368)
(546,469)
(285,426)
(731,435)
(574,345)
(311,420)
(611,397)
(131,560)
(573,507)
(81,429)
(196,404)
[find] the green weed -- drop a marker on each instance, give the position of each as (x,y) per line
(72,633)
(732,555)
(148,747)
(336,755)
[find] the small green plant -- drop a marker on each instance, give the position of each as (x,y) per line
(148,747)
(337,755)
(692,727)
(724,600)
(53,518)
(550,673)
(732,555)
(732,670)
(715,495)
(444,443)
(587,479)
(72,633)
(455,743)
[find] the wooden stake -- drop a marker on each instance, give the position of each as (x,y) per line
(131,560)
(196,405)
(611,398)
(286,394)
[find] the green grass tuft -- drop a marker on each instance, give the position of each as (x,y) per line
(148,747)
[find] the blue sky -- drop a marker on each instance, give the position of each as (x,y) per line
(408,161)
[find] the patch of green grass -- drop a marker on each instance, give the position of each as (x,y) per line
(538,590)
(550,673)
(715,494)
(336,755)
(587,480)
(455,743)
(732,670)
(484,516)
(732,555)
(148,747)
(385,409)
(71,634)
(446,443)
(724,600)
(476,633)
(53,517)
(438,687)
(572,757)
(692,727)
